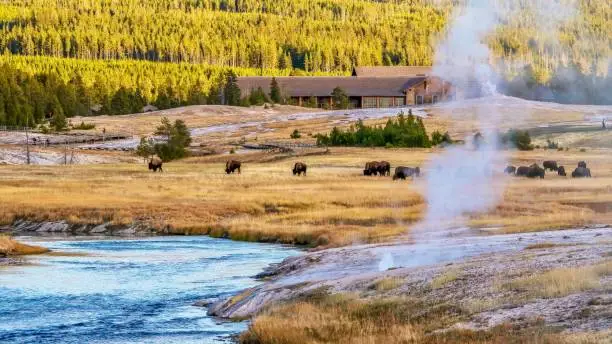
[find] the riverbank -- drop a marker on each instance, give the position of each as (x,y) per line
(539,287)
(11,248)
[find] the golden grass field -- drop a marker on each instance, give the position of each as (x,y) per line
(333,206)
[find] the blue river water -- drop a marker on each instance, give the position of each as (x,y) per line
(128,291)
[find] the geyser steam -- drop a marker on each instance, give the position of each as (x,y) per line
(461,179)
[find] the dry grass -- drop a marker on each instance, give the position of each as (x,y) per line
(10,247)
(445,278)
(387,284)
(562,281)
(333,206)
(391,321)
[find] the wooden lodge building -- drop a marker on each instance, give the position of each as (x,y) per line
(368,87)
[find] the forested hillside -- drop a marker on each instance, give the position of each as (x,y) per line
(179,51)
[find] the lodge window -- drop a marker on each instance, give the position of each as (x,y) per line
(368,102)
(435,99)
(386,102)
(419,100)
(400,101)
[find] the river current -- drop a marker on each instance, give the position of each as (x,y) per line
(128,291)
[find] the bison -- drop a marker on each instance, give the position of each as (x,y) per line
(536,171)
(383,168)
(402,172)
(371,168)
(155,164)
(231,166)
(561,171)
(582,164)
(550,165)
(510,170)
(522,171)
(581,172)
(299,168)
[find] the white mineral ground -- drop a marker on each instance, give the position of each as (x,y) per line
(480,261)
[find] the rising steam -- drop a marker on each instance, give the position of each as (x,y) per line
(460,180)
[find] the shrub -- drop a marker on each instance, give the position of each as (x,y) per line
(552,144)
(178,139)
(84,126)
(401,132)
(232,151)
(517,138)
(295,134)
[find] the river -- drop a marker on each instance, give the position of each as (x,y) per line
(128,291)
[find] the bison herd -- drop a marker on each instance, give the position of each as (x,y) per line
(383,168)
(535,171)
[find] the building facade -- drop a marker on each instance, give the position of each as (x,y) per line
(368,87)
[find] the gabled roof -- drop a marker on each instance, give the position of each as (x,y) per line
(322,86)
(392,71)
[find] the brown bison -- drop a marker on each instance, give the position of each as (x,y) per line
(522,171)
(299,168)
(510,170)
(536,171)
(384,168)
(550,165)
(155,164)
(231,166)
(581,172)
(371,168)
(561,171)
(402,172)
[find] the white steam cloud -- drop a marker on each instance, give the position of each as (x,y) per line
(461,179)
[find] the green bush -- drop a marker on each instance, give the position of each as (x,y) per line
(84,126)
(402,132)
(519,139)
(177,137)
(295,134)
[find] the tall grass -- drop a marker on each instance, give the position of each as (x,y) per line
(562,281)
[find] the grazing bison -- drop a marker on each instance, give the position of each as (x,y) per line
(231,166)
(581,172)
(383,168)
(550,165)
(371,168)
(299,168)
(510,170)
(582,164)
(522,171)
(536,171)
(402,172)
(155,164)
(561,171)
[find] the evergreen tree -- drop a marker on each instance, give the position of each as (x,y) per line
(58,119)
(340,99)
(232,91)
(275,92)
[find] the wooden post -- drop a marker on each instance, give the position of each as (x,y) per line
(27,141)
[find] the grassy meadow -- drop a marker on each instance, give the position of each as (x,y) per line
(333,205)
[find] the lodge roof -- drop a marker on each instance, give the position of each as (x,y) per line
(392,71)
(322,86)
